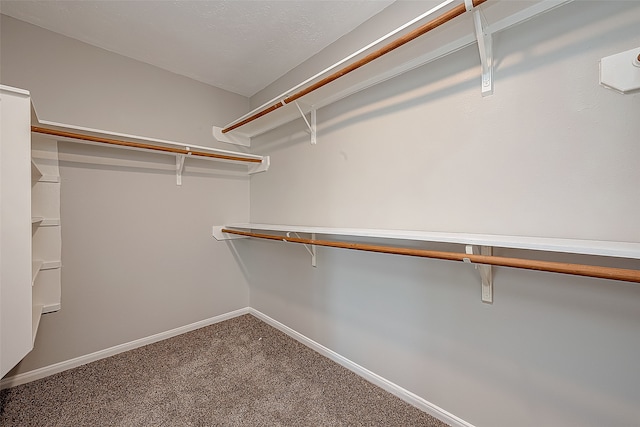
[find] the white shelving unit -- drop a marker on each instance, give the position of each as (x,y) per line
(17,325)
(46,232)
(30,283)
(476,26)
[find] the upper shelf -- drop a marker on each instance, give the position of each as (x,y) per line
(573,246)
(69,132)
(66,132)
(443,40)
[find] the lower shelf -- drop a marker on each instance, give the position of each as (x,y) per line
(478,249)
(576,246)
(51,308)
(38,265)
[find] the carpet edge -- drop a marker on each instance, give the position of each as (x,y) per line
(403,394)
(46,371)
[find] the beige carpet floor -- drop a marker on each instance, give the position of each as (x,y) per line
(241,372)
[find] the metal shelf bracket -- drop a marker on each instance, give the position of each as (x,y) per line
(180,167)
(486,272)
(485,48)
(311,125)
(310,248)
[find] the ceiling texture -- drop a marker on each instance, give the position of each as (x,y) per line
(238,45)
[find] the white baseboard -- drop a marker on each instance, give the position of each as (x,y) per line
(372,377)
(83,360)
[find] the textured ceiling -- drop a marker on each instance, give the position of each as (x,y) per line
(240,46)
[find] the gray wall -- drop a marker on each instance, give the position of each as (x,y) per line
(137,254)
(550,154)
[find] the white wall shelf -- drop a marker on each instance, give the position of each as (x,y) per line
(465,30)
(572,246)
(45,222)
(51,308)
(50,222)
(49,178)
(38,265)
(64,132)
(478,248)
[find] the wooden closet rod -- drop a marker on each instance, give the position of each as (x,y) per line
(141,145)
(434,23)
(550,266)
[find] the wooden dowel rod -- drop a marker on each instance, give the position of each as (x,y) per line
(434,23)
(144,146)
(549,266)
(252,118)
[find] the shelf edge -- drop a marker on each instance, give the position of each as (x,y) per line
(629,250)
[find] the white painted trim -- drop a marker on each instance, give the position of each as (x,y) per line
(37,374)
(14,90)
(372,377)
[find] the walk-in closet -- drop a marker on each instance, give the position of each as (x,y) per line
(320,213)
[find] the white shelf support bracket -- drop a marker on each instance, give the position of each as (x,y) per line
(219,235)
(486,272)
(231,139)
(179,168)
(312,125)
(485,48)
(314,258)
(310,248)
(261,167)
(314,121)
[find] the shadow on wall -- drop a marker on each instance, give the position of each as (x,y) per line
(89,156)
(553,347)
(572,31)
(577,27)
